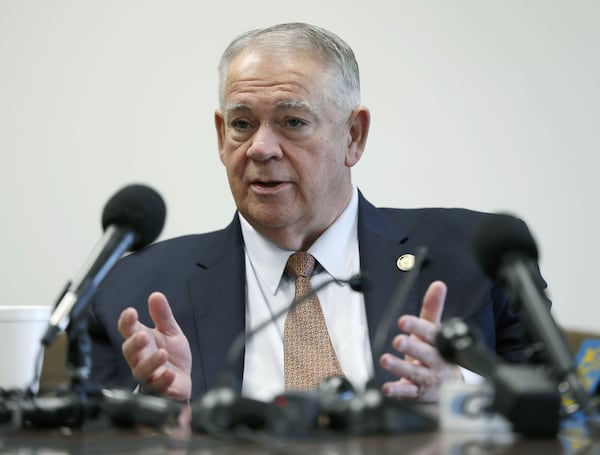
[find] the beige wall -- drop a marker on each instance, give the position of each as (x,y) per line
(488,105)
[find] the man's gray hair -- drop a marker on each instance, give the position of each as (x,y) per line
(296,36)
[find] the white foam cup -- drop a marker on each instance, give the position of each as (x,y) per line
(21,331)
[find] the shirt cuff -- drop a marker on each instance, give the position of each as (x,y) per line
(469,377)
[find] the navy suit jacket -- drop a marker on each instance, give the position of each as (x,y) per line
(203,276)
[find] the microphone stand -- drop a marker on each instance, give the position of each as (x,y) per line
(79,365)
(79,361)
(123,408)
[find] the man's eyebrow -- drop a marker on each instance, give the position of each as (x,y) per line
(280,106)
(286,105)
(237,107)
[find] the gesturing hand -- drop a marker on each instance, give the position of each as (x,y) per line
(160,357)
(422,370)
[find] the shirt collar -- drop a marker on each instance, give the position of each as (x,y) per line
(333,249)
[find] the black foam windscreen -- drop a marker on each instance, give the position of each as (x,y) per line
(139,208)
(359,283)
(501,236)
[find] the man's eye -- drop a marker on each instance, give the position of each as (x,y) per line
(240,124)
(295,123)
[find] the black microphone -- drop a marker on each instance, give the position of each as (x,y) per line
(460,343)
(223,409)
(132,219)
(522,393)
(508,254)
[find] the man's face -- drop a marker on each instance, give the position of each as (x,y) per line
(285,145)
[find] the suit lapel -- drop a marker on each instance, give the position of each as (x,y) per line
(217,293)
(381,243)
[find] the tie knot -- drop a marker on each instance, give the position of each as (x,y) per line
(301,264)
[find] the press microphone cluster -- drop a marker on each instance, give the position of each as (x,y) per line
(131,219)
(68,409)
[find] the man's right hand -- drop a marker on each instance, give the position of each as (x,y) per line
(160,358)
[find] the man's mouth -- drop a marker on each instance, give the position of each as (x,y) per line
(268,187)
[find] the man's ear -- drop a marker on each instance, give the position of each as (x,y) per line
(359,123)
(220,127)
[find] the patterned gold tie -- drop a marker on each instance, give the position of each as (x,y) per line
(308,353)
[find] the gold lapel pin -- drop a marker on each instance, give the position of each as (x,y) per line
(405,262)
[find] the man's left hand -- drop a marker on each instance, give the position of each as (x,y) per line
(422,370)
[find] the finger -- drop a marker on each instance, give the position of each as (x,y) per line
(150,366)
(421,328)
(161,381)
(161,314)
(128,323)
(416,350)
(136,347)
(415,373)
(433,302)
(401,389)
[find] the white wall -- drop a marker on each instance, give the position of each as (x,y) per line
(488,105)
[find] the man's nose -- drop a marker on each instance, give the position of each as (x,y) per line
(265,145)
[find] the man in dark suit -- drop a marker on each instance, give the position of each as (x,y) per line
(290,127)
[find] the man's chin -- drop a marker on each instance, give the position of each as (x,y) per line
(270,218)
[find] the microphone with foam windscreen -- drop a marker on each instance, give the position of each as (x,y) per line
(132,218)
(508,254)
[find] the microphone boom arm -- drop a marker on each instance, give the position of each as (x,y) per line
(398,301)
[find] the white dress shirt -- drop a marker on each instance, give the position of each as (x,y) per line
(270,290)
